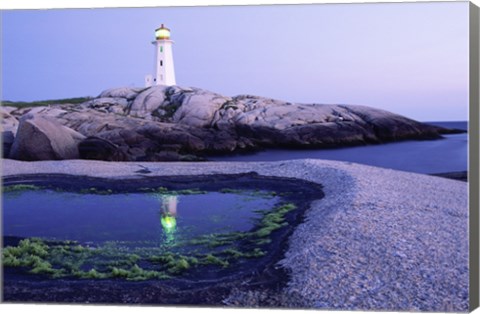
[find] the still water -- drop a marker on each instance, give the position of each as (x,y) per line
(133,217)
(437,156)
(132,236)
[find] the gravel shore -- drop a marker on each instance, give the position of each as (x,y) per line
(380,239)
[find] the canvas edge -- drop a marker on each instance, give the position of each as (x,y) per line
(474,143)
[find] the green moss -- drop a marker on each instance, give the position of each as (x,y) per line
(20,188)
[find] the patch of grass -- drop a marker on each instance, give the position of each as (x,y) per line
(25,104)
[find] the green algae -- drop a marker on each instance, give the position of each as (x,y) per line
(112,260)
(274,220)
(214,260)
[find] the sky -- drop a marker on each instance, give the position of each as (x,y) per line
(408,58)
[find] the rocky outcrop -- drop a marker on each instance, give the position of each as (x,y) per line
(40,138)
(8,123)
(174,123)
(100,149)
(8,128)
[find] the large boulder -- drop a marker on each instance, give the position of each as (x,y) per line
(198,109)
(148,101)
(42,138)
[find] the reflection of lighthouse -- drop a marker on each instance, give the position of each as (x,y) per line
(169,212)
(164,71)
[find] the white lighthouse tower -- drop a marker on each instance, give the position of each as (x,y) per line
(164,71)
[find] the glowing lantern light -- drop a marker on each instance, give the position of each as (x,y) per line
(162,33)
(168,223)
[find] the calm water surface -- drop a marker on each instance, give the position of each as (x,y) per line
(133,217)
(437,156)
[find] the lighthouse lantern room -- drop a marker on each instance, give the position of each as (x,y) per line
(164,71)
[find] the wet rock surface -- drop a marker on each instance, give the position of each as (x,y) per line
(189,123)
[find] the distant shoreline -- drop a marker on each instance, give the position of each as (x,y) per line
(458,175)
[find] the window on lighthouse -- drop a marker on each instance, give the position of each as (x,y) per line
(161,48)
(161,63)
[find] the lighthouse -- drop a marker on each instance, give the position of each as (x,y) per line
(164,72)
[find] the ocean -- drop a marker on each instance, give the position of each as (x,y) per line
(433,156)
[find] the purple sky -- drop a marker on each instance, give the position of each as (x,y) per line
(408,58)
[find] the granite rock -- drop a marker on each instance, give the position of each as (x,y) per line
(161,122)
(41,138)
